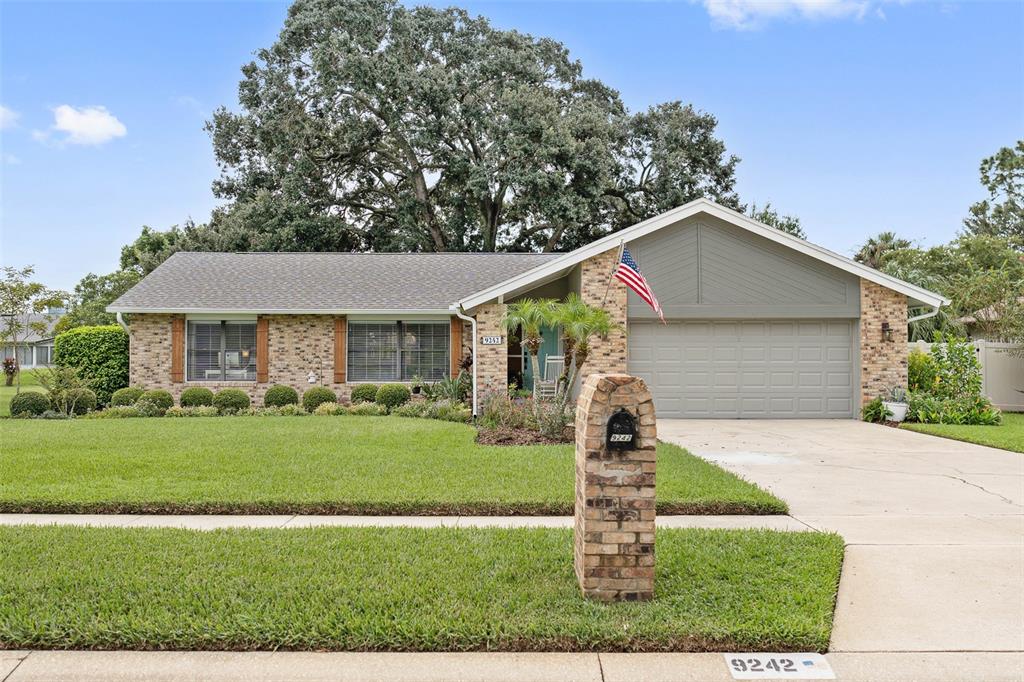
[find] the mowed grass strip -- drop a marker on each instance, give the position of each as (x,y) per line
(404,589)
(317,465)
(1007,436)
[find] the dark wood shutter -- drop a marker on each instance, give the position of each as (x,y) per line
(262,350)
(455,347)
(340,338)
(178,350)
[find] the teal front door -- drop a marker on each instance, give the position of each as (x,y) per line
(548,347)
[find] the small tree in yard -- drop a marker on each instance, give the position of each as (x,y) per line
(579,322)
(528,317)
(20,299)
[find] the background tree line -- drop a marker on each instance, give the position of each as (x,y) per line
(369,125)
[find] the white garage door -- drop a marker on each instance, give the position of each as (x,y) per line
(752,369)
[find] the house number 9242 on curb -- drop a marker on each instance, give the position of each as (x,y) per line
(779,667)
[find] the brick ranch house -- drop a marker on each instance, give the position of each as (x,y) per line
(761,324)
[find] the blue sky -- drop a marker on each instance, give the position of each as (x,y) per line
(855,115)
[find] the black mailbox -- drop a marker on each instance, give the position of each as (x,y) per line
(621,431)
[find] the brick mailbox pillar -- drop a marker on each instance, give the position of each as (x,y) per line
(614,527)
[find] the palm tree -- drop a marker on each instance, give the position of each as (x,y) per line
(579,322)
(875,249)
(528,316)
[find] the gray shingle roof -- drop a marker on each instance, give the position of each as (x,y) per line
(315,282)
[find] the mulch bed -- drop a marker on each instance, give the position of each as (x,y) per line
(510,436)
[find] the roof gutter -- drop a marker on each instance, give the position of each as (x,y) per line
(120,321)
(472,321)
(917,318)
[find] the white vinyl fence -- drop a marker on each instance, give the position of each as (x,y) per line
(1002,373)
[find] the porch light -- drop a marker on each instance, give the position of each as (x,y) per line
(886,331)
(311,378)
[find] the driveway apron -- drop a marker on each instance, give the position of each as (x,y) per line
(934,527)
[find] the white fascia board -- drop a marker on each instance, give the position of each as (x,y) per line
(210,311)
(650,225)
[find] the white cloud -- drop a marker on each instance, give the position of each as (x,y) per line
(88,125)
(753,14)
(8,117)
(11,160)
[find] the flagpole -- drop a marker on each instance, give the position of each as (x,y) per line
(618,259)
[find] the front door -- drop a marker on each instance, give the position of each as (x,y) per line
(549,346)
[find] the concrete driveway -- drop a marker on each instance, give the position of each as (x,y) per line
(935,527)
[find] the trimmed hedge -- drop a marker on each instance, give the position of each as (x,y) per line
(196,396)
(317,396)
(31,402)
(100,354)
(162,399)
(231,400)
(279,396)
(364,393)
(393,395)
(123,397)
(78,401)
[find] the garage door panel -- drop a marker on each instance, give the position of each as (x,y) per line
(746,369)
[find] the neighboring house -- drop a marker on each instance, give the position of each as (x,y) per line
(760,323)
(35,350)
(976,323)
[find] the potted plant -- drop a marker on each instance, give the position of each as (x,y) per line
(897,404)
(417,384)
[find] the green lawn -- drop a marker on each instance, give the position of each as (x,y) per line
(1009,435)
(404,589)
(28,382)
(317,465)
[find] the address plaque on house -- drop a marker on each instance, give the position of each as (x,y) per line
(491,340)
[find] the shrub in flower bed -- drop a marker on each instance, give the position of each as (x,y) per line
(196,396)
(973,410)
(31,403)
(231,400)
(330,410)
(77,401)
(162,399)
(368,410)
(444,410)
(274,411)
(393,395)
(126,396)
(116,412)
(317,396)
(279,396)
(364,393)
(193,411)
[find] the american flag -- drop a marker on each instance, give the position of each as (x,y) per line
(628,272)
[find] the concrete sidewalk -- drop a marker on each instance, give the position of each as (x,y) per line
(168,666)
(214,521)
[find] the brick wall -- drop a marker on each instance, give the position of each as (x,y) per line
(883,364)
(613,549)
(606,355)
(298,344)
(491,361)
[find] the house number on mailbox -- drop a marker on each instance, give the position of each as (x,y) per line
(491,340)
(621,431)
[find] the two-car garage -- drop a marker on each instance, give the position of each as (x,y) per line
(753,330)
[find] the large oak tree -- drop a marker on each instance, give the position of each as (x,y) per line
(372,125)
